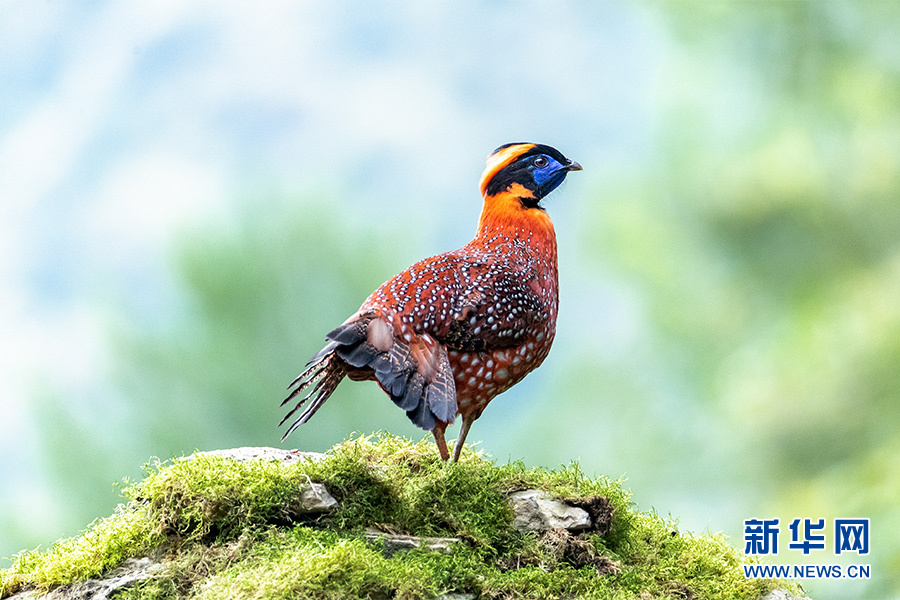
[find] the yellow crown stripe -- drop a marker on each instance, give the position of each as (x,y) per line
(500,159)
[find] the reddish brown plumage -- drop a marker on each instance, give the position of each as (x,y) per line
(449,333)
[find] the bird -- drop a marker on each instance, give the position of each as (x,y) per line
(451,332)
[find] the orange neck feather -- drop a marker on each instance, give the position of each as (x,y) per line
(505,213)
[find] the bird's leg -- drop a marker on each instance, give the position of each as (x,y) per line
(467,420)
(438,433)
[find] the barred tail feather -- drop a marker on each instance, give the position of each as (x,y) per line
(323,377)
(415,372)
(311,365)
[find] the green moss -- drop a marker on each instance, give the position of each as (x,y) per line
(308,563)
(188,567)
(104,544)
(228,529)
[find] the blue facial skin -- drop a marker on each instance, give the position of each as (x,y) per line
(549,177)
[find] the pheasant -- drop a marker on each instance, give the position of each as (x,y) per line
(451,332)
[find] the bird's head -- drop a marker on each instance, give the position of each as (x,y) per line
(525,171)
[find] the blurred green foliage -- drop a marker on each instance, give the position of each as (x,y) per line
(765,240)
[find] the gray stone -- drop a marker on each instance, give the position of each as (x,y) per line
(456,597)
(314,497)
(262,453)
(780,595)
(537,510)
(394,543)
(130,572)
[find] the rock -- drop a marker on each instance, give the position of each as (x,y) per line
(314,497)
(394,543)
(456,597)
(130,572)
(262,453)
(780,595)
(537,510)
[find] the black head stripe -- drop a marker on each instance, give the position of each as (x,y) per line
(549,151)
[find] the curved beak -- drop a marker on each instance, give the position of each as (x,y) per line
(573,166)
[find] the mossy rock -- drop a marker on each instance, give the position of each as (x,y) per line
(217,527)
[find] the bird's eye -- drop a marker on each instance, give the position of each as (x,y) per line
(541,162)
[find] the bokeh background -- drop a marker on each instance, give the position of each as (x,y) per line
(193,193)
